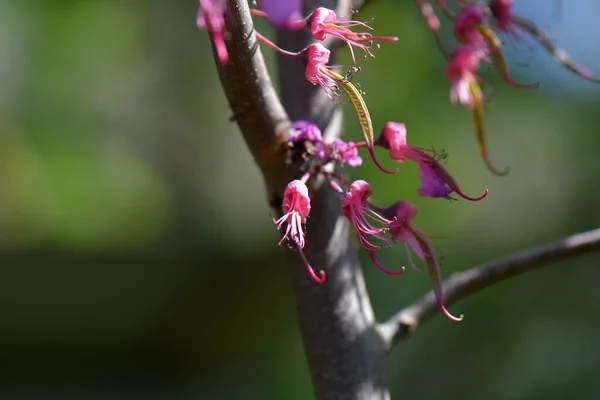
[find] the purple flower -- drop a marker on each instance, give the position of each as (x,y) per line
(305,130)
(283,14)
(432,184)
(436,181)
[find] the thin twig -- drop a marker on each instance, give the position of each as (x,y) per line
(462,284)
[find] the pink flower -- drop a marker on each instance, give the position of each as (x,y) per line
(295,208)
(401,214)
(355,207)
(435,180)
(283,14)
(211,17)
(324,22)
(317,69)
(318,73)
(461,73)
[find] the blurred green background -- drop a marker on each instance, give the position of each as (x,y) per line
(138,258)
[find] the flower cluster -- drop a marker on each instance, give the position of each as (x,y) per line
(475,27)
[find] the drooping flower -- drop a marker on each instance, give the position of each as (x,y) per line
(295,208)
(283,14)
(210,16)
(319,73)
(324,22)
(469,29)
(461,73)
(401,214)
(466,23)
(317,70)
(435,180)
(466,90)
(368,223)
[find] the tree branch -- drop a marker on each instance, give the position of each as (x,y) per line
(462,284)
(346,354)
(256,107)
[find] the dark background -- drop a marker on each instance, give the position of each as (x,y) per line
(138,258)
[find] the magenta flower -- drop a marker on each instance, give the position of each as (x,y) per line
(295,208)
(502,12)
(211,17)
(466,24)
(317,70)
(401,214)
(283,14)
(324,22)
(470,30)
(355,207)
(461,73)
(435,180)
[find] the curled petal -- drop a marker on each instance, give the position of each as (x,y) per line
(434,273)
(311,271)
(498,59)
(436,180)
(479,129)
